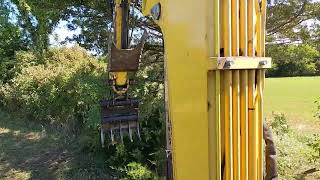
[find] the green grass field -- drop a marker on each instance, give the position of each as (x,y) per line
(295,98)
(29,151)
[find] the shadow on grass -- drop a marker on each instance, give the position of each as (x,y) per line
(28,151)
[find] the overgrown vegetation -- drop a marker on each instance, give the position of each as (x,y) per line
(294,60)
(63,87)
(297,153)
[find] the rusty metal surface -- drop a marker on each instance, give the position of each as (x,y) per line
(119,117)
(124,110)
(126,59)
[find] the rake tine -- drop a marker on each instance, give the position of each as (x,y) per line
(120,132)
(138,131)
(112,137)
(130,133)
(102,137)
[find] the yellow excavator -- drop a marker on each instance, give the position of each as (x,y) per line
(215,77)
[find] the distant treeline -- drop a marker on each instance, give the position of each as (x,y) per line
(293,60)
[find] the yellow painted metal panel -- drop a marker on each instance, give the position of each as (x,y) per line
(228,167)
(187,88)
(236,124)
(214,94)
(190,86)
(244,123)
(214,124)
(211,125)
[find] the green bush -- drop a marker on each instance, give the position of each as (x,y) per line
(280,123)
(293,60)
(136,171)
(296,152)
(62,87)
(314,143)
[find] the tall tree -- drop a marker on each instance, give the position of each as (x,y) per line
(293,19)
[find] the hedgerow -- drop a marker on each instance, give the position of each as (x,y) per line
(63,86)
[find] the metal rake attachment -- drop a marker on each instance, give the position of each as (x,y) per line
(119,118)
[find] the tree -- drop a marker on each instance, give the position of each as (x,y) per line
(293,60)
(292,19)
(11,40)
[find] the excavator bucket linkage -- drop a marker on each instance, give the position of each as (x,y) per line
(120,113)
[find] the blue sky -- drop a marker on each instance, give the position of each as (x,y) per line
(61,32)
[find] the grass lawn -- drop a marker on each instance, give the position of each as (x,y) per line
(293,96)
(28,151)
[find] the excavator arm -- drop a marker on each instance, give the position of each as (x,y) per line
(120,113)
(215,77)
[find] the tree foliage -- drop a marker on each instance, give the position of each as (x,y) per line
(292,19)
(62,87)
(293,60)
(11,40)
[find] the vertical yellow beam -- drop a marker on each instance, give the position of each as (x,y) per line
(121,77)
(235,91)
(258,28)
(218,124)
(216,28)
(263,29)
(244,123)
(226,26)
(222,119)
(217,90)
(259,112)
(252,135)
(244,91)
(227,83)
(236,124)
(260,79)
(235,27)
(214,125)
(251,27)
(228,124)
(243,28)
